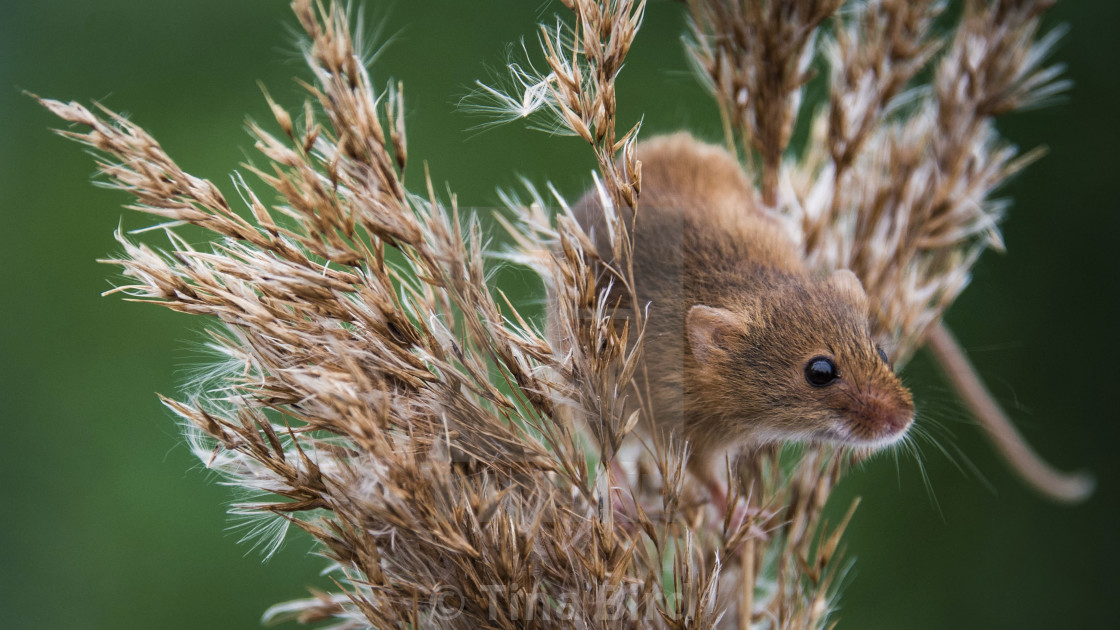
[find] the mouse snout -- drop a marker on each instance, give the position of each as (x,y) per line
(882,418)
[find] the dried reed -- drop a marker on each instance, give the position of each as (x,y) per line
(377,393)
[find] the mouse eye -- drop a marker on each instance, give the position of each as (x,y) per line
(882,355)
(821,371)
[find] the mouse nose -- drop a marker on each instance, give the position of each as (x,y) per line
(886,417)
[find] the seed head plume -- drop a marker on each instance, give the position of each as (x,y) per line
(895,181)
(375,391)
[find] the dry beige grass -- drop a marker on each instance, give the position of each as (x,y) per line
(377,393)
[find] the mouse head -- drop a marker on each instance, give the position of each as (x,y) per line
(796,361)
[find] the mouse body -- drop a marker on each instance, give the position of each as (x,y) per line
(744,345)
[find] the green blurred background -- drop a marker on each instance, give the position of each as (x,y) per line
(106,521)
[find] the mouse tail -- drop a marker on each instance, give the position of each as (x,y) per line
(1057,485)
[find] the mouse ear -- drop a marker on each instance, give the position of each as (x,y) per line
(710,329)
(848,285)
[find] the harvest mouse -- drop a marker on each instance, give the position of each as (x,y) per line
(746,346)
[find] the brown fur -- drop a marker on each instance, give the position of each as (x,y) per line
(734,317)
